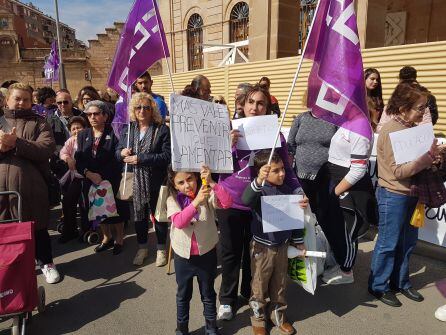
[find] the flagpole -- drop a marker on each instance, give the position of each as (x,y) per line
(62,80)
(164,51)
(296,76)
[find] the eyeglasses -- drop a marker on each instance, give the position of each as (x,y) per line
(420,109)
(94,113)
(65,102)
(144,108)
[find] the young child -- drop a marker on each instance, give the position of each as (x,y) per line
(72,186)
(269,260)
(191,208)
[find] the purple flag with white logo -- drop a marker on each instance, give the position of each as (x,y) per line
(51,67)
(336,88)
(142,43)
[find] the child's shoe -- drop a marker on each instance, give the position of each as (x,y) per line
(286,329)
(211,327)
(182,328)
(225,312)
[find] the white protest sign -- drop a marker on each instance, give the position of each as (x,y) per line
(259,132)
(199,135)
(410,144)
(281,212)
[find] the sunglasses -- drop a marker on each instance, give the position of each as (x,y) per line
(65,102)
(219,102)
(93,114)
(144,108)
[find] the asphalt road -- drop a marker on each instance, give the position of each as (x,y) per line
(105,294)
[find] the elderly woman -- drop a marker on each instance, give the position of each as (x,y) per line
(397,238)
(148,152)
(234,223)
(95,159)
(26,144)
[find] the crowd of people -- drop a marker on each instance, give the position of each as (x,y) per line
(46,136)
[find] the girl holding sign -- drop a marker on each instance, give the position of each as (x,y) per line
(234,223)
(397,237)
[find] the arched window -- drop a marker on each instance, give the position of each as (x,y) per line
(195,42)
(307,10)
(239,24)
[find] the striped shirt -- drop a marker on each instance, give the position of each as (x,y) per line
(352,151)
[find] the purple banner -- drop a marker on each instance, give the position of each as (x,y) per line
(336,88)
(51,67)
(142,43)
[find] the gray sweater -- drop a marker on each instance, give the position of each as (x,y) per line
(309,141)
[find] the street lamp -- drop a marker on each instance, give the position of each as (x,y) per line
(62,80)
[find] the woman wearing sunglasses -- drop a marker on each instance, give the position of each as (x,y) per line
(148,153)
(95,159)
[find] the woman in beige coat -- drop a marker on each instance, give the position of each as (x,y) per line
(26,144)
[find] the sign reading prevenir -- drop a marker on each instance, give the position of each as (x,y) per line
(200,135)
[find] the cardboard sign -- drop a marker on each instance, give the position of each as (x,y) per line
(410,144)
(259,132)
(282,212)
(200,135)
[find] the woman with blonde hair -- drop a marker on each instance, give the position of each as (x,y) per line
(148,153)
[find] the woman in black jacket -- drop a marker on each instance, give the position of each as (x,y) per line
(95,159)
(147,151)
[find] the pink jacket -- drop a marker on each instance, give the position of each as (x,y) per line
(183,219)
(69,148)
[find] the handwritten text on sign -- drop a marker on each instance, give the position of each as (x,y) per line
(258,132)
(410,144)
(282,212)
(200,135)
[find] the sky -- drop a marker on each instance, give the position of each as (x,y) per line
(88,17)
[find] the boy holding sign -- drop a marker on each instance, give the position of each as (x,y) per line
(269,260)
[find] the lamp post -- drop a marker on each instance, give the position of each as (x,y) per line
(62,80)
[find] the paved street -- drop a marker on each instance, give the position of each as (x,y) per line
(105,294)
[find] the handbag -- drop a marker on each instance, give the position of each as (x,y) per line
(127,193)
(161,205)
(429,187)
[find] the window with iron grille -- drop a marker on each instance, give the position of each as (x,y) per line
(239,25)
(195,42)
(307,10)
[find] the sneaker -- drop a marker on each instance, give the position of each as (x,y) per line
(161,258)
(50,272)
(141,255)
(337,277)
(440,313)
(225,312)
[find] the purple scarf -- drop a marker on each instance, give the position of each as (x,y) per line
(184,201)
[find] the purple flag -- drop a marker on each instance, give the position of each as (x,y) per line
(142,43)
(336,88)
(51,67)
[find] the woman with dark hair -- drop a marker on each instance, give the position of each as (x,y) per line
(397,238)
(85,95)
(96,161)
(46,102)
(234,223)
(374,95)
(266,84)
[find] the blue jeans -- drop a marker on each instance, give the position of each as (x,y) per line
(396,240)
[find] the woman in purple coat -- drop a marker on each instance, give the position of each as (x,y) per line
(234,223)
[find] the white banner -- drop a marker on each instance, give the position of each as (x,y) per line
(409,144)
(282,212)
(257,132)
(200,135)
